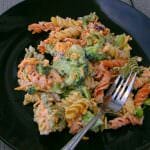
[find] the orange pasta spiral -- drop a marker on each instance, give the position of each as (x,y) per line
(42,26)
(113,63)
(144,78)
(142,94)
(103,84)
(124,120)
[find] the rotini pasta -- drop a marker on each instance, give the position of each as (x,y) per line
(113,63)
(67,76)
(71,32)
(124,120)
(42,26)
(64,23)
(103,84)
(115,53)
(144,78)
(142,94)
(131,66)
(75,110)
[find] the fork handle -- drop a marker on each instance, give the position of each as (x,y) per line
(76,139)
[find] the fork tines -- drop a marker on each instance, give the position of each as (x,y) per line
(122,87)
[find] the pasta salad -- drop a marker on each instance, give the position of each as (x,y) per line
(84,58)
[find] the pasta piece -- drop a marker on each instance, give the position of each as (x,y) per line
(144,78)
(142,94)
(62,47)
(31,98)
(41,47)
(115,52)
(75,106)
(28,75)
(75,110)
(113,63)
(67,33)
(64,23)
(132,65)
(128,106)
(90,83)
(104,84)
(75,126)
(42,26)
(124,120)
(75,41)
(49,117)
(71,98)
(52,40)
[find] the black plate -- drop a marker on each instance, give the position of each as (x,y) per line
(16,121)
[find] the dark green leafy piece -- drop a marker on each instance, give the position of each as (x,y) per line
(43,70)
(85,92)
(31,90)
(57,88)
(93,53)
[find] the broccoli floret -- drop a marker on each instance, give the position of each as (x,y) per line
(62,65)
(76,53)
(89,18)
(31,90)
(57,88)
(121,41)
(85,92)
(75,76)
(72,66)
(147,102)
(43,70)
(50,50)
(93,53)
(139,112)
(74,73)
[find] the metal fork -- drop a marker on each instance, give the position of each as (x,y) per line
(117,94)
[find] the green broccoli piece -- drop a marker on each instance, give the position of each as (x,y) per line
(31,90)
(72,66)
(139,112)
(93,53)
(85,92)
(43,70)
(50,50)
(89,18)
(121,41)
(76,53)
(62,65)
(57,88)
(147,102)
(87,117)
(75,76)
(73,72)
